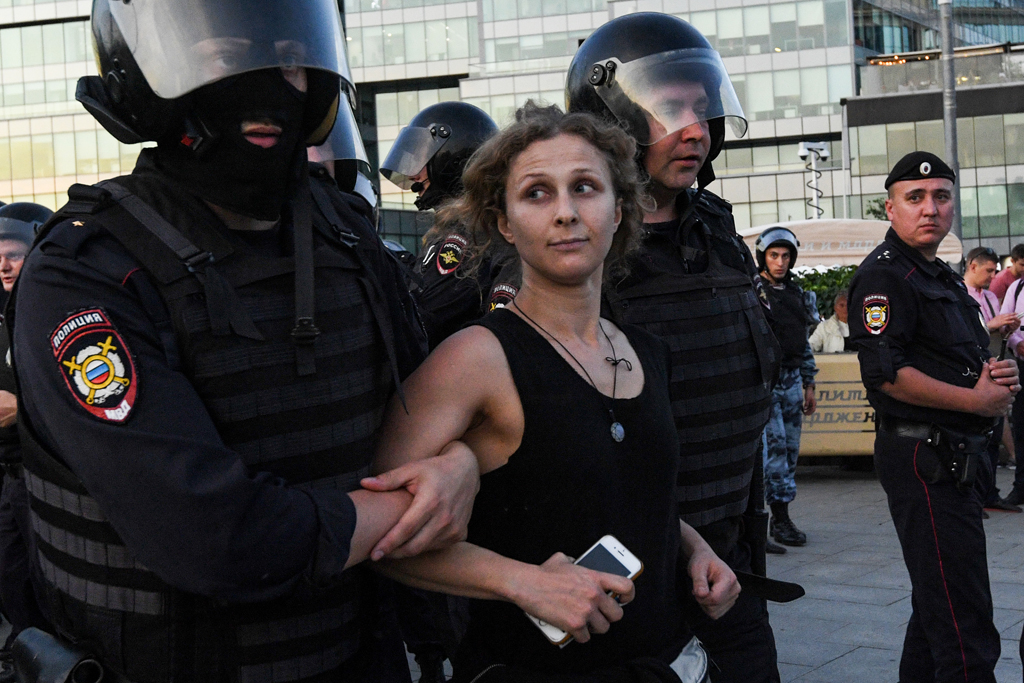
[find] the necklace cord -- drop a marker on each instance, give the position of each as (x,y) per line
(615,363)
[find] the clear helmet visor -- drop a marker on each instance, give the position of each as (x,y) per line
(345,144)
(182,45)
(672,90)
(413,148)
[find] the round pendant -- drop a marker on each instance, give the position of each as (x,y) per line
(618,433)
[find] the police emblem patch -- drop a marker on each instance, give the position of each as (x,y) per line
(502,295)
(450,253)
(876,312)
(96,364)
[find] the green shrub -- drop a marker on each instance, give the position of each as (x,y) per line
(825,283)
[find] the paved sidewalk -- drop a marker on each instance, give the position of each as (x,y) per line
(850,625)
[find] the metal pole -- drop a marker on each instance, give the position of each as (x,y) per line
(814,185)
(949,106)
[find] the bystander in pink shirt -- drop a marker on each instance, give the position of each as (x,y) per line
(1001,282)
(1013,302)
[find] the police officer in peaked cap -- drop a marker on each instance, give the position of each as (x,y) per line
(428,157)
(937,393)
(205,348)
(695,284)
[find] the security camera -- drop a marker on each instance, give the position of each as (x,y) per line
(819,149)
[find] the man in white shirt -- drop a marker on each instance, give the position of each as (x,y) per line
(831,335)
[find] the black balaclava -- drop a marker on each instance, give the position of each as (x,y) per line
(212,159)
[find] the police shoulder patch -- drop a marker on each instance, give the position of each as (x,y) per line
(502,295)
(450,254)
(876,312)
(97,365)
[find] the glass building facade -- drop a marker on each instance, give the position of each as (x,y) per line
(792,62)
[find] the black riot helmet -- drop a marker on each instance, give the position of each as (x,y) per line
(635,70)
(441,138)
(777,236)
(21,220)
(153,54)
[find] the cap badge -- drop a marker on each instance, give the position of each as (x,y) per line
(926,168)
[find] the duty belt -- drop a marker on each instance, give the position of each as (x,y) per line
(923,431)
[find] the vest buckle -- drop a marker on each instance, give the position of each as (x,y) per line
(305,332)
(202,258)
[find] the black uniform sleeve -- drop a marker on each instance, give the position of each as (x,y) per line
(182,502)
(883,316)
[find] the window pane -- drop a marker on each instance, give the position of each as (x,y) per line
(793,210)
(14,94)
(931,137)
(415,42)
(757,28)
(988,140)
(531,47)
(373,46)
(35,93)
(813,89)
(85,150)
(21,157)
(387,109)
(759,92)
(900,141)
(76,45)
(969,211)
(64,154)
(10,48)
(765,157)
(109,154)
(448,95)
(408,106)
(739,159)
(5,159)
(437,41)
(458,39)
(505,9)
(992,211)
(32,45)
(783,20)
(836,23)
(840,83)
(531,8)
(810,13)
(1013,131)
(706,24)
(873,160)
(354,41)
(53,43)
(787,92)
(1015,204)
(394,44)
(730,32)
(42,156)
(762,213)
(965,142)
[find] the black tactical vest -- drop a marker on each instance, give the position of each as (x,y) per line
(10,452)
(789,322)
(313,430)
(724,359)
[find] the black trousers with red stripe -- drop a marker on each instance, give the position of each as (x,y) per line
(950,636)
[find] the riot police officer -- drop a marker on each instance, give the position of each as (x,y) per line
(428,157)
(694,284)
(776,250)
(205,353)
(924,359)
(18,225)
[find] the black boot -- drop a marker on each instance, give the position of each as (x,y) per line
(782,528)
(773,548)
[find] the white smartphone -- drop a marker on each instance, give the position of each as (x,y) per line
(608,555)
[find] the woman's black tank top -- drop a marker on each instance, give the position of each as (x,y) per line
(569,484)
